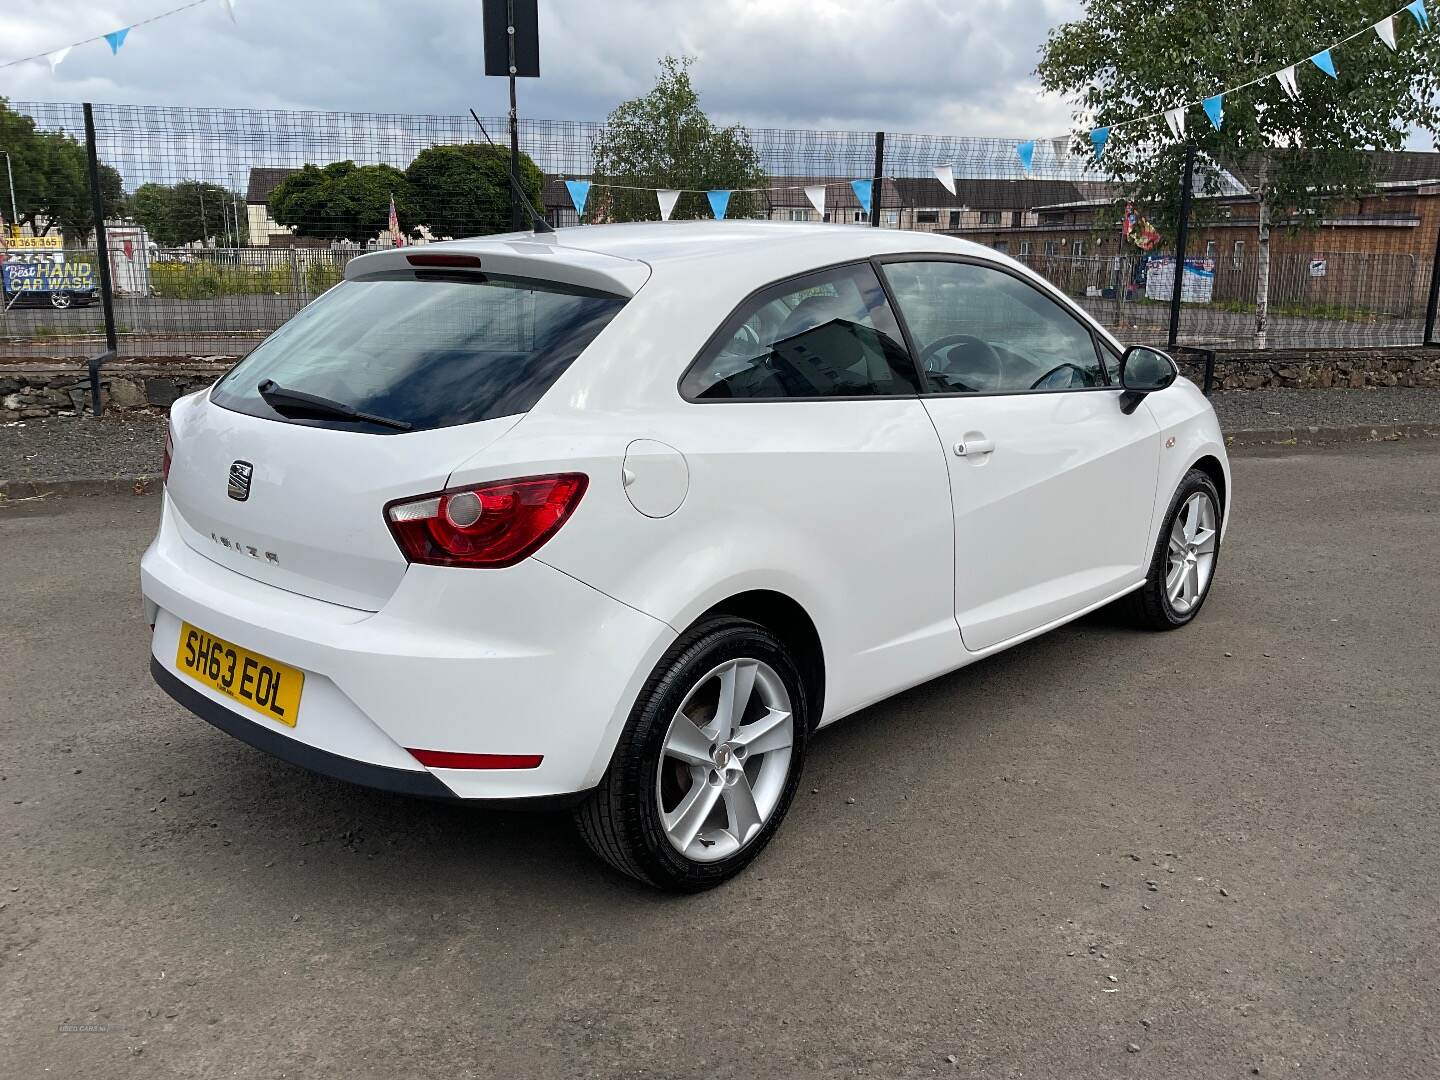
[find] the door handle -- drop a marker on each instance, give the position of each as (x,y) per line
(974,447)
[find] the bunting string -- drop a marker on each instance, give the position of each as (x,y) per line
(116,38)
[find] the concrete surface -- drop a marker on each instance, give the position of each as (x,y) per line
(980,908)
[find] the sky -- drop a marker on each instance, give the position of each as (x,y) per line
(951,67)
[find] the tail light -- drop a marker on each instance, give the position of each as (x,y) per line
(488,525)
(169,455)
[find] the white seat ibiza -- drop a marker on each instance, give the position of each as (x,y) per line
(619,516)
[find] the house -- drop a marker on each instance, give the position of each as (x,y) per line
(265,230)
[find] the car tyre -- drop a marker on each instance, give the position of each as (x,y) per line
(690,761)
(1186,555)
(60,301)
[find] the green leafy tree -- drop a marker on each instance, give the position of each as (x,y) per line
(343,200)
(665,140)
(52,180)
(1129,58)
(189,212)
(465,190)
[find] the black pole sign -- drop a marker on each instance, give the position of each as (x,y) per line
(512,49)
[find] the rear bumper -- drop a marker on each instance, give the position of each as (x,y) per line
(386,778)
(524,661)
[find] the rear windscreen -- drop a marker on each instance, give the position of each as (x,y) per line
(429,349)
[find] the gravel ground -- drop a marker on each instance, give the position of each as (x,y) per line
(78,448)
(1103,854)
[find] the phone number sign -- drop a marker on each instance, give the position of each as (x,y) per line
(48,277)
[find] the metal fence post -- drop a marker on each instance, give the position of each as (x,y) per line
(102,256)
(1434,300)
(878,186)
(1182,234)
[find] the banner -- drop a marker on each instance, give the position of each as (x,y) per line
(1196,287)
(47,276)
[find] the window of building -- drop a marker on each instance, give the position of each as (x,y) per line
(978,329)
(1210,250)
(989,217)
(1237,254)
(927,217)
(954,219)
(1024,248)
(1077,249)
(828,334)
(1002,246)
(799,215)
(858,215)
(1052,218)
(1052,247)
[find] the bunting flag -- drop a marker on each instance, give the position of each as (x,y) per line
(579,192)
(816,194)
(946,175)
(1060,146)
(1026,152)
(667,198)
(1417,8)
(56,58)
(1215,109)
(1385,31)
(863,190)
(1325,63)
(1175,120)
(1098,138)
(719,203)
(1286,78)
(116,39)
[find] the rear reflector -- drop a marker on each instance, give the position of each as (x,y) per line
(444,759)
(469,262)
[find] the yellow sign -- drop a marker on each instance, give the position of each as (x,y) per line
(35,243)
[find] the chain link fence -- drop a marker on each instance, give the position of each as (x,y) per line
(223,223)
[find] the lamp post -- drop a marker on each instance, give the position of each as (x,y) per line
(9,172)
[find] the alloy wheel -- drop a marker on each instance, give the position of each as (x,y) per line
(1191,557)
(724,760)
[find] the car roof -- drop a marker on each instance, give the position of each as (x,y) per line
(622,257)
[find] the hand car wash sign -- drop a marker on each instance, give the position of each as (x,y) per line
(25,272)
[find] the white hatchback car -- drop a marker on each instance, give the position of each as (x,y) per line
(622,514)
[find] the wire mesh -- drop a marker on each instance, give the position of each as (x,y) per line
(223,223)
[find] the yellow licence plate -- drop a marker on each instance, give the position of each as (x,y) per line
(269,687)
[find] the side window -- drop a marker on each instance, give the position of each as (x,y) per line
(980,330)
(829,334)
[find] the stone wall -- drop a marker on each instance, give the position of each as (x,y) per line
(62,388)
(33,391)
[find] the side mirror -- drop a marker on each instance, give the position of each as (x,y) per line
(1144,370)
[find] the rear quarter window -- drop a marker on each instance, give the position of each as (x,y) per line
(429,348)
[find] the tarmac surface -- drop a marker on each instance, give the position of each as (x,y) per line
(1105,853)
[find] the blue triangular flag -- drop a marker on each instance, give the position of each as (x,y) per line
(719,202)
(579,192)
(863,190)
(1323,61)
(1215,110)
(1026,151)
(117,38)
(1098,138)
(1417,8)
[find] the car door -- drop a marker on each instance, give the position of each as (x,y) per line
(1051,484)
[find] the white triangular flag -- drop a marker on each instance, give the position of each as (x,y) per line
(1061,146)
(1175,119)
(816,194)
(1385,31)
(946,175)
(666,197)
(57,57)
(1286,78)
(229,8)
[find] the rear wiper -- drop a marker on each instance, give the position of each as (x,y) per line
(297,401)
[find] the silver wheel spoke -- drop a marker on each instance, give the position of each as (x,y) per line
(1177,543)
(1175,581)
(771,732)
(1205,541)
(740,805)
(736,682)
(687,742)
(1192,518)
(684,824)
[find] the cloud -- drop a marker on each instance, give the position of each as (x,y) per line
(957,67)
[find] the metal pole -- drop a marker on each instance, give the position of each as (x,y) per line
(1182,234)
(516,218)
(14,210)
(1434,300)
(102,256)
(878,184)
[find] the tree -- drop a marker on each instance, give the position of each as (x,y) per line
(189,212)
(343,200)
(665,140)
(52,179)
(465,190)
(1129,58)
